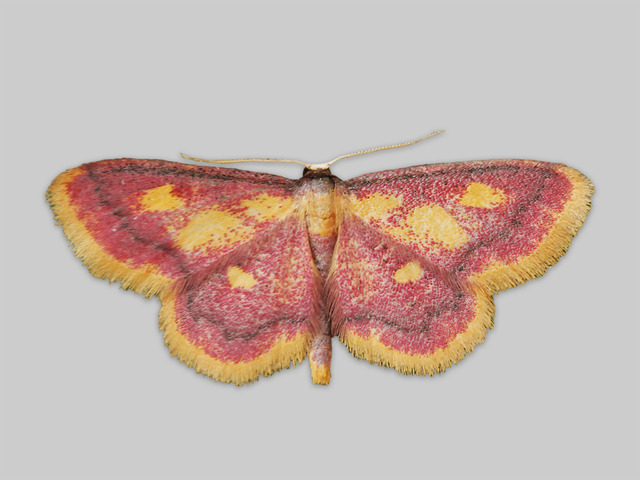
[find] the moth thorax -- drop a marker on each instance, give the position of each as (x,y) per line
(321,215)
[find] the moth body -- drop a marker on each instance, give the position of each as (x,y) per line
(316,195)
(255,272)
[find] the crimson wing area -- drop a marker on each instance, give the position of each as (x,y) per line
(422,250)
(218,246)
(254,316)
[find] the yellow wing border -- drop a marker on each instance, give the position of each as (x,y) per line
(483,287)
(284,353)
(100,263)
(554,245)
(374,351)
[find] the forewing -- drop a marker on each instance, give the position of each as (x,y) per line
(421,251)
(253,316)
(148,223)
(495,223)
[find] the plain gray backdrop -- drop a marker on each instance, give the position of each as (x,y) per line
(88,388)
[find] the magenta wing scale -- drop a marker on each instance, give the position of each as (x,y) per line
(256,272)
(443,239)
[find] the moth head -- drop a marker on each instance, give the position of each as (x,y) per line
(316,170)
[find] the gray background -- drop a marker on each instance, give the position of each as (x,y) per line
(88,388)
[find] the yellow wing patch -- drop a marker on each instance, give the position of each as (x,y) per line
(408,273)
(215,228)
(238,278)
(423,225)
(160,199)
(431,222)
(375,206)
(482,196)
(268,207)
(218,228)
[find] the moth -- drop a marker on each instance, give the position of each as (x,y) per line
(255,272)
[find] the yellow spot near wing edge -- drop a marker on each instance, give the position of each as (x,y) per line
(283,353)
(160,199)
(480,195)
(238,278)
(408,273)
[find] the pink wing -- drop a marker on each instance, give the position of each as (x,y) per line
(149,222)
(223,248)
(252,315)
(421,251)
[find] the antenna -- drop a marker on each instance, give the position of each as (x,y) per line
(316,166)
